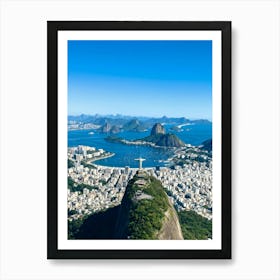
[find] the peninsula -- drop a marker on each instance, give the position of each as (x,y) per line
(157,138)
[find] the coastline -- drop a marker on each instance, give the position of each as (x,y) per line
(91,161)
(137,143)
(102,157)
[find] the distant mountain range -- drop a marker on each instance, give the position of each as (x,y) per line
(116,123)
(158,137)
(134,125)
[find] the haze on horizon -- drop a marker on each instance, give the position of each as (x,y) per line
(140,78)
(136,116)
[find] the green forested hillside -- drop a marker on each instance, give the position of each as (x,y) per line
(146,215)
(195,226)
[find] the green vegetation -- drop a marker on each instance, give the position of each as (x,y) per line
(169,193)
(85,164)
(72,212)
(164,140)
(70,163)
(74,227)
(194,226)
(207,145)
(158,137)
(74,187)
(146,215)
(134,125)
(141,214)
(100,225)
(103,182)
(114,139)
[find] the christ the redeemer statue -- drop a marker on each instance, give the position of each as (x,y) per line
(140,162)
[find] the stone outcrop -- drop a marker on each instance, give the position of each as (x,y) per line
(159,137)
(157,129)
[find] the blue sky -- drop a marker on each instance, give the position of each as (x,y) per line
(140,78)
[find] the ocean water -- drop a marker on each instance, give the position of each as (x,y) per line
(125,154)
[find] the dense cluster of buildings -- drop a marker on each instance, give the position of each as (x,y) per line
(86,154)
(74,125)
(189,185)
(103,187)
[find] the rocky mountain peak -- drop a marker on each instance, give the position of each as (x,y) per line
(158,129)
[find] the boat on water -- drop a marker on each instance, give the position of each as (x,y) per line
(91,133)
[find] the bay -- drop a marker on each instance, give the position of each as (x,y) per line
(125,154)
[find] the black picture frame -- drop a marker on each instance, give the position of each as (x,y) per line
(53,27)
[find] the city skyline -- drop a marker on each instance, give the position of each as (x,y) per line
(140,78)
